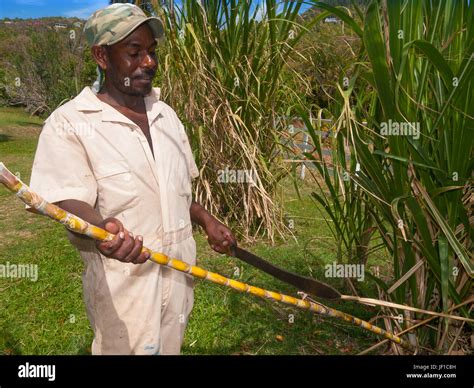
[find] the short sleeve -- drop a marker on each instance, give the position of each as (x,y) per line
(61,169)
(193,170)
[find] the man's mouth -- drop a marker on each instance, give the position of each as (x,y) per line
(147,78)
(143,82)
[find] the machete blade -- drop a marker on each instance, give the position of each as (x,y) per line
(311,286)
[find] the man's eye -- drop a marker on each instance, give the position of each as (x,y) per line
(133,55)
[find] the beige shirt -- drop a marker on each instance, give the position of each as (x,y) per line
(90,152)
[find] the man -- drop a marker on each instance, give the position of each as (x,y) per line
(121,160)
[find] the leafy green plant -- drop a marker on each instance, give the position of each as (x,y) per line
(412,83)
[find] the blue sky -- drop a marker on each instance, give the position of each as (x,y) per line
(40,8)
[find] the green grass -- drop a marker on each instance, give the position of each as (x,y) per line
(16,117)
(48,316)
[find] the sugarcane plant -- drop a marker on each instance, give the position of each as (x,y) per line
(223,68)
(406,114)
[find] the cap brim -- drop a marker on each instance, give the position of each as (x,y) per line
(156,26)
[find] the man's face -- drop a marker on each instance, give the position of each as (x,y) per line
(132,62)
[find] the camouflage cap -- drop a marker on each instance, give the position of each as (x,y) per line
(111,24)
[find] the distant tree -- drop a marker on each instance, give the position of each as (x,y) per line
(147,6)
(46,68)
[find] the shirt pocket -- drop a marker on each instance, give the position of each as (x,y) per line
(117,189)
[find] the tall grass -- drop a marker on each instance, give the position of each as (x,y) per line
(415,69)
(224,71)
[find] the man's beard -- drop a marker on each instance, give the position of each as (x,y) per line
(128,85)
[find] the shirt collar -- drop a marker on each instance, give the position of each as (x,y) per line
(87,101)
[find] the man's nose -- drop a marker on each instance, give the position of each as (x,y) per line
(149,61)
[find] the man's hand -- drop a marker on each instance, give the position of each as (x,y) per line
(219,236)
(124,247)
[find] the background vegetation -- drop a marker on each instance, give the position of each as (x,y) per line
(243,76)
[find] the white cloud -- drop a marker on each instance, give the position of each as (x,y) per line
(85,12)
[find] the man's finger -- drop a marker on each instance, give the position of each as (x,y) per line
(112,227)
(110,247)
(144,256)
(135,256)
(222,247)
(123,252)
(229,236)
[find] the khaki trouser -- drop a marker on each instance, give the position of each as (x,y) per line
(138,309)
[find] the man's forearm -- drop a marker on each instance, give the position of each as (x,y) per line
(219,236)
(199,215)
(82,210)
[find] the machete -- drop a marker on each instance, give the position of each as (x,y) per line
(308,285)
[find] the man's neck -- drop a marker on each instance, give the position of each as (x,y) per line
(116,98)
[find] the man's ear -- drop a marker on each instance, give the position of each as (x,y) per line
(100,55)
